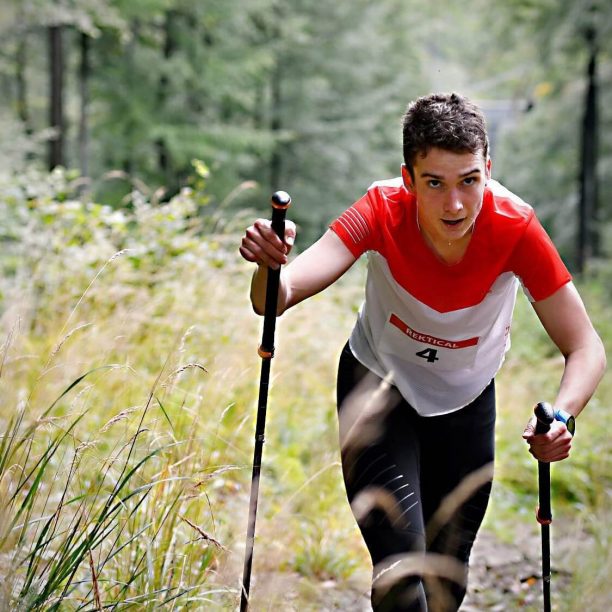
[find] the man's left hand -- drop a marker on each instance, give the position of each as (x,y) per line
(552,446)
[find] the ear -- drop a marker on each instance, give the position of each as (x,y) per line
(407,179)
(488,169)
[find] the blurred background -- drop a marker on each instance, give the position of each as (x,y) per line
(138,139)
(309,98)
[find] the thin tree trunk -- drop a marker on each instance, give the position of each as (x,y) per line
(84,72)
(588,238)
(163,155)
(23,109)
(276,125)
(56,93)
(130,132)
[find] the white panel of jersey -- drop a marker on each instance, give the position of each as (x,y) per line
(440,362)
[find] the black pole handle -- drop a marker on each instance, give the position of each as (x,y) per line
(545,415)
(281,201)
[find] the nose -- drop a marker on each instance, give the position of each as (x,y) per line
(453,203)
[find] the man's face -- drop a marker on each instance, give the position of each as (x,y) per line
(449,189)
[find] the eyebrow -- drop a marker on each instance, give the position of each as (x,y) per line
(439,178)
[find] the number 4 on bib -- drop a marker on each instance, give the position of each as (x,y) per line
(430,354)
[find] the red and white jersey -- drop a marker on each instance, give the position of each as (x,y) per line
(441,331)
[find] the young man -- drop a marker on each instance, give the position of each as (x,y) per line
(447,247)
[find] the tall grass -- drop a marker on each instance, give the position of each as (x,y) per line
(128,383)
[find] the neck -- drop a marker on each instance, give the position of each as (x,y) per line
(449,251)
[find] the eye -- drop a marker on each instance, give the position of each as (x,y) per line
(470,180)
(434,183)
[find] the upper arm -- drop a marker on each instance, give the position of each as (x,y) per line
(316,268)
(565,319)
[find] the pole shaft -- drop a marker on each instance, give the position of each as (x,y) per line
(545,416)
(280,203)
(545,514)
(255,478)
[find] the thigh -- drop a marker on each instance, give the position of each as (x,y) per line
(456,474)
(380,462)
(383,486)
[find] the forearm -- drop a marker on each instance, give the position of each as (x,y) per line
(584,368)
(312,271)
(258,291)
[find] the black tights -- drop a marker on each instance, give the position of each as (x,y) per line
(398,467)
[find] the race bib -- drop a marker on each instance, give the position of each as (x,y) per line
(402,340)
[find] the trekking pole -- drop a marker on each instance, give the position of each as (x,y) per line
(280,202)
(545,416)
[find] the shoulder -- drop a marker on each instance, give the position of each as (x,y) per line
(506,207)
(390,198)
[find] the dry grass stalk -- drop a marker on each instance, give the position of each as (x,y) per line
(217,472)
(427,565)
(121,416)
(93,280)
(457,497)
(184,338)
(94,580)
(180,370)
(372,498)
(59,345)
(112,459)
(362,415)
(7,344)
(203,535)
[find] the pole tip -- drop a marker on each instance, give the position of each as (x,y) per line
(281,199)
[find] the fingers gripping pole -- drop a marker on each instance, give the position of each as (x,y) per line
(280,202)
(545,416)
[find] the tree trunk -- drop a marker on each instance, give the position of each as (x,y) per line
(84,72)
(276,33)
(276,125)
(163,155)
(130,131)
(56,94)
(588,237)
(23,110)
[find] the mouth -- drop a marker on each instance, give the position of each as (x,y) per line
(452,222)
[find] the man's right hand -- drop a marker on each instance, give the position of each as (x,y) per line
(262,246)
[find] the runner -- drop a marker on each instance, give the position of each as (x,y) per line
(447,249)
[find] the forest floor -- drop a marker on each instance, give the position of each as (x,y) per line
(503,577)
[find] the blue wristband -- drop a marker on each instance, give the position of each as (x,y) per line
(568,419)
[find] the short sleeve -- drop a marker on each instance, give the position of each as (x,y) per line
(537,263)
(357,226)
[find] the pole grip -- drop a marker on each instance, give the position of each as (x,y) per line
(545,415)
(280,203)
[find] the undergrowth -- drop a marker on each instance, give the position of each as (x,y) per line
(128,381)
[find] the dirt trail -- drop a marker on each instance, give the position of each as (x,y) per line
(503,577)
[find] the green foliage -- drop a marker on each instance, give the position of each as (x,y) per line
(307,97)
(128,373)
(82,475)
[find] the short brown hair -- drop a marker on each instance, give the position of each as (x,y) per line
(447,121)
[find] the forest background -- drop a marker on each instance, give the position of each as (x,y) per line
(138,139)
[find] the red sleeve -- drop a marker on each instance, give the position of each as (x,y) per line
(537,263)
(357,227)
